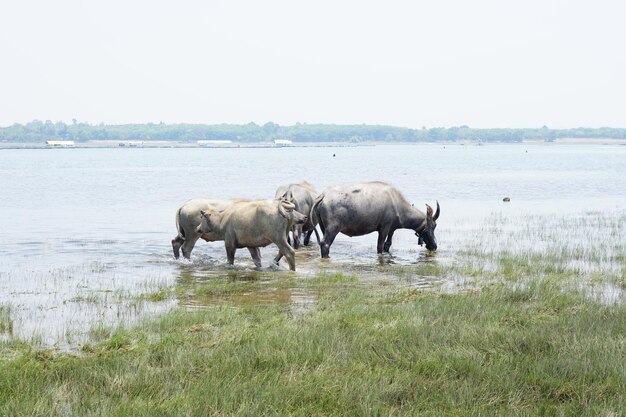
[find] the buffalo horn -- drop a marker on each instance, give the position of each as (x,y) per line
(436,216)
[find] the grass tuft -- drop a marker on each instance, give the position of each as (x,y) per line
(6,319)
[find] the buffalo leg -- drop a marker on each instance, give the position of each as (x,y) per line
(256,256)
(230,254)
(307,237)
(278,257)
(287,251)
(317,236)
(296,237)
(388,242)
(177,242)
(300,228)
(188,245)
(381,241)
(308,233)
(327,241)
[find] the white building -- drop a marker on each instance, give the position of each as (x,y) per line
(131,144)
(214,142)
(60,143)
(282,142)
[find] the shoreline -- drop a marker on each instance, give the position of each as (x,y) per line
(110,144)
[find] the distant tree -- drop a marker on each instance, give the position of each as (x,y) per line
(270,129)
(38,131)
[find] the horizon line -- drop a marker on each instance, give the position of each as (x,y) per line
(424,127)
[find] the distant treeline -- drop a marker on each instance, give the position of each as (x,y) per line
(38,131)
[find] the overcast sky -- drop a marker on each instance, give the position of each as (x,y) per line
(405,63)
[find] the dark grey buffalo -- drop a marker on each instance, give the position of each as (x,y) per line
(366,207)
(302,195)
(188,219)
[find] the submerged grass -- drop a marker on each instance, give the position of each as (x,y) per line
(6,319)
(531,349)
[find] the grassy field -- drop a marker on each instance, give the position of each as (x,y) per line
(537,332)
(526,349)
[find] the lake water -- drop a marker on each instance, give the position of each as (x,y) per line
(85,230)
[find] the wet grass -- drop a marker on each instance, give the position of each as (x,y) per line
(526,345)
(507,328)
(156,296)
(6,319)
(90,298)
(58,307)
(593,241)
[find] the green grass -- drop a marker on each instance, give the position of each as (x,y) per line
(82,298)
(527,349)
(156,296)
(6,319)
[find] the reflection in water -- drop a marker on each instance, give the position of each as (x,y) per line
(241,287)
(385,259)
(206,283)
(426,256)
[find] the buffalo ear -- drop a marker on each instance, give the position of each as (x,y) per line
(429,211)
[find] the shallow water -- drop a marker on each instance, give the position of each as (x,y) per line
(86,232)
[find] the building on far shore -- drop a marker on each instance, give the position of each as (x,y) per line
(131,144)
(60,143)
(214,142)
(282,142)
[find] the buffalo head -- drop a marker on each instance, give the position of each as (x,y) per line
(427,233)
(298,218)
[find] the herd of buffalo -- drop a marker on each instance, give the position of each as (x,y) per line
(352,209)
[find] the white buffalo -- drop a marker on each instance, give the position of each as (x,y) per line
(187,221)
(253,224)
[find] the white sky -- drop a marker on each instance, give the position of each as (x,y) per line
(405,63)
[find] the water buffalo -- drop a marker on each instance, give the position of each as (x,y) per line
(362,208)
(187,221)
(302,195)
(254,224)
